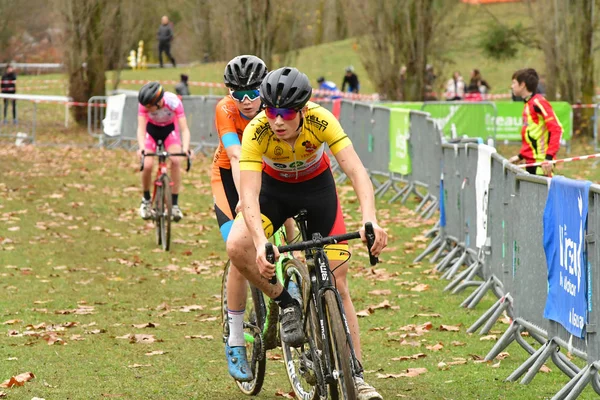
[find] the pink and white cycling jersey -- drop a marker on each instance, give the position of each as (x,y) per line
(171,110)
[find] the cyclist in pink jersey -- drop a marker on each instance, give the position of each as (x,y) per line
(161,117)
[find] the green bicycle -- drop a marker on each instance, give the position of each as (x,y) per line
(261,327)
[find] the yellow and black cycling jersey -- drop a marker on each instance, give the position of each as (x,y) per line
(263,150)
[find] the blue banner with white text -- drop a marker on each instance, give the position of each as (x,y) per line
(565,222)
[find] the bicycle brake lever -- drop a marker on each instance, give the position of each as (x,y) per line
(370,234)
(142,164)
(189,163)
(271,258)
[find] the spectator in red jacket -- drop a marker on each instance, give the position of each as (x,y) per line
(541,130)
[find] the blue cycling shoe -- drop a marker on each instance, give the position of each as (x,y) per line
(237,363)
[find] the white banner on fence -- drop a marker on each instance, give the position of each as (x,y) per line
(482,186)
(113,121)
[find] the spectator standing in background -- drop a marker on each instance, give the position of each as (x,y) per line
(455,88)
(430,78)
(351,79)
(182,88)
(165,37)
(541,131)
(9,87)
(477,84)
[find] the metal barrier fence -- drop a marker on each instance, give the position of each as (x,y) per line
(506,256)
(463,118)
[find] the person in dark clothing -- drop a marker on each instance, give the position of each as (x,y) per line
(165,37)
(9,87)
(182,88)
(477,83)
(351,79)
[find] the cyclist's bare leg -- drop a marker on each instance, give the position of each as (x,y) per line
(237,289)
(147,172)
(290,230)
(342,286)
(175,167)
(242,254)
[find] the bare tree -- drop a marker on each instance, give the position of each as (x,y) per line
(403,32)
(84,51)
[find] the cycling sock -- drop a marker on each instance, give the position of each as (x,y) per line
(174,198)
(147,195)
(235,319)
(284,300)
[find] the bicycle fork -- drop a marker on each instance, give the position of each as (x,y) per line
(321,282)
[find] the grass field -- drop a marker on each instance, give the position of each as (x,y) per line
(80,274)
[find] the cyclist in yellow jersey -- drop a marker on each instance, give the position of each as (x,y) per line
(283,169)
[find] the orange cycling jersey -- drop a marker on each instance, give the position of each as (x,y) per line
(263,150)
(230,126)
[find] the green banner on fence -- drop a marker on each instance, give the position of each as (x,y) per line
(409,105)
(399,134)
(510,119)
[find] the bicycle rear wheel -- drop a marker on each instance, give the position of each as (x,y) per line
(254,321)
(343,387)
(166,214)
(158,211)
(300,367)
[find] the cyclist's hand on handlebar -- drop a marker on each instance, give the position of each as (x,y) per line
(140,153)
(381,239)
(266,269)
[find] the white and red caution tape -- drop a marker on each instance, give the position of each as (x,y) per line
(562,160)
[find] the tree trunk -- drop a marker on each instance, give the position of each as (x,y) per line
(586,62)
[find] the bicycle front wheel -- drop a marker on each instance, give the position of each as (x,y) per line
(301,368)
(158,210)
(344,386)
(165,220)
(254,321)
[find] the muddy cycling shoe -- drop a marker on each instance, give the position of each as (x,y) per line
(366,391)
(146,209)
(176,213)
(290,320)
(237,363)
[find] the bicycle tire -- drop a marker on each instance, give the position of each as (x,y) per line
(166,215)
(158,211)
(255,315)
(344,387)
(300,367)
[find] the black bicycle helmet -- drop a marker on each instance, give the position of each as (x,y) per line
(244,73)
(151,93)
(285,88)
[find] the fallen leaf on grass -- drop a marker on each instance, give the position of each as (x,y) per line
(449,328)
(148,325)
(75,338)
(435,347)
(274,357)
(502,355)
(207,337)
(379,328)
(410,373)
(111,395)
(458,361)
(156,353)
(545,369)
(52,338)
(3,394)
(457,343)
(427,315)
(413,357)
(381,292)
(371,309)
(410,343)
(208,319)
(95,331)
(488,338)
(191,308)
(442,366)
(12,322)
(18,380)
(497,365)
(421,287)
(285,395)
(139,365)
(12,359)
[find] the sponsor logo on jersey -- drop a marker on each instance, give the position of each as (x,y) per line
(278,151)
(319,124)
(260,132)
(278,165)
